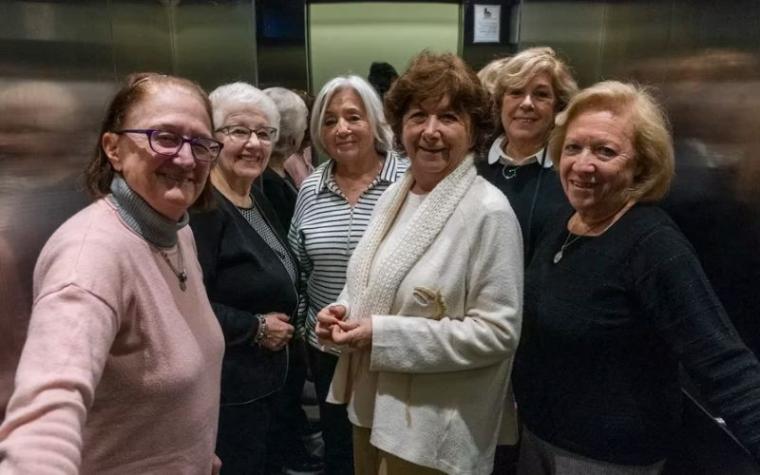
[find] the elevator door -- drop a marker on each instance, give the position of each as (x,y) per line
(345,38)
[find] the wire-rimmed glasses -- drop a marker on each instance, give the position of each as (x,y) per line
(243,134)
(168,144)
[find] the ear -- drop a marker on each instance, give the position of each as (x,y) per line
(110,144)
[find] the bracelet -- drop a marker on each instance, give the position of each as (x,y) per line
(262,333)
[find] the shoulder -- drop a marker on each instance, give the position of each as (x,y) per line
(204,221)
(653,239)
(94,250)
(484,199)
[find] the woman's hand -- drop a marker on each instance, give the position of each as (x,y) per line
(279,331)
(327,318)
(354,334)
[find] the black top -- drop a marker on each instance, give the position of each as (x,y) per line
(282,194)
(534,192)
(244,277)
(604,329)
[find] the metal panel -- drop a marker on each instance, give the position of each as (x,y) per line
(59,61)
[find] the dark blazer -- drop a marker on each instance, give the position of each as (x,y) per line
(244,277)
(282,194)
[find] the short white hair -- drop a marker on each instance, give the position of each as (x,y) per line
(238,96)
(372,104)
(293,120)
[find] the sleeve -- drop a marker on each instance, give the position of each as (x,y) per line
(238,326)
(688,315)
(305,266)
(489,330)
(70,335)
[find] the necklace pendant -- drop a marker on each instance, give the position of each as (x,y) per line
(509,172)
(182,277)
(558,256)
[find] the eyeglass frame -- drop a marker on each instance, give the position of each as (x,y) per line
(192,140)
(274,132)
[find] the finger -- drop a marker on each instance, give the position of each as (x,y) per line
(338,311)
(326,317)
(347,326)
(282,317)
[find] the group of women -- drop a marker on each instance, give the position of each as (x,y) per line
(410,276)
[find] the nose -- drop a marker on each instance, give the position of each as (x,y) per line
(431,127)
(527,102)
(253,141)
(184,157)
(584,161)
(343,128)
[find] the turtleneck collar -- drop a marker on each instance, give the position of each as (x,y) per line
(144,220)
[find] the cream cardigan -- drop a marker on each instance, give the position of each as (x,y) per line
(446,307)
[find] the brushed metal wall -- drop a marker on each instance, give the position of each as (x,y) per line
(59,64)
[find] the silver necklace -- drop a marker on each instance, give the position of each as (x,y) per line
(568,241)
(181,274)
(565,245)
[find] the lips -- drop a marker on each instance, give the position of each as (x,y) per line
(179,180)
(583,184)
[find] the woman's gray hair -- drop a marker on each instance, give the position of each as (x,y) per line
(293,120)
(375,116)
(241,96)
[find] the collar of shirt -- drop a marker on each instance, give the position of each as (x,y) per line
(496,154)
(388,174)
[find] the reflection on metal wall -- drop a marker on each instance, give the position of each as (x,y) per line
(59,63)
(703,60)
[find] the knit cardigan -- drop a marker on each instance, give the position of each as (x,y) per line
(446,308)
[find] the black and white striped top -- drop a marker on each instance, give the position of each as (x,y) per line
(324,232)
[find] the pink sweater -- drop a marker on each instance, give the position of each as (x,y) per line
(120,373)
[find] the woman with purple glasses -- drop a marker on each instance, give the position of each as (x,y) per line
(121,368)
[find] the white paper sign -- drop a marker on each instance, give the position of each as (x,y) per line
(487,23)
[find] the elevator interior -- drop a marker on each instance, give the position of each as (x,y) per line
(60,62)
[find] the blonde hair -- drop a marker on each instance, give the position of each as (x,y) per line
(652,142)
(526,65)
(490,73)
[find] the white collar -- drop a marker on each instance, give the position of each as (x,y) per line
(496,154)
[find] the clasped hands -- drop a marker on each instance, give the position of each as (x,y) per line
(279,331)
(332,327)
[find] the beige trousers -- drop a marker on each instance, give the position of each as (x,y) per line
(369,460)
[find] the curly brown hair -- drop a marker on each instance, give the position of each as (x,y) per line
(435,76)
(136,87)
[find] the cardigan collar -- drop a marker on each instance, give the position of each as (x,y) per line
(379,288)
(388,174)
(141,218)
(496,154)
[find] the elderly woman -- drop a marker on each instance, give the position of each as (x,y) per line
(430,316)
(250,276)
(120,370)
(279,187)
(332,212)
(532,87)
(615,299)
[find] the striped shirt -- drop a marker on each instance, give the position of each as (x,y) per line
(324,233)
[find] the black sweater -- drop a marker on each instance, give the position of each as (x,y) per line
(535,194)
(244,277)
(604,329)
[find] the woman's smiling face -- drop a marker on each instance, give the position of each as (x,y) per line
(436,138)
(598,162)
(168,184)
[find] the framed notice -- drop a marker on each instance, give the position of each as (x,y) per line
(487,23)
